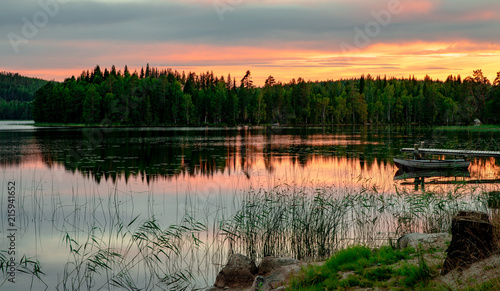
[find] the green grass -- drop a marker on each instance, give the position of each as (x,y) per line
(470,128)
(414,275)
(371,268)
(493,284)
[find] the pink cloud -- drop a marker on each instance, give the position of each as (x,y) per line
(411,7)
(392,59)
(480,15)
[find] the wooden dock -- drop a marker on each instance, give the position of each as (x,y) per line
(494,154)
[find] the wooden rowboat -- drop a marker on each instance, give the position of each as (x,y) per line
(416,165)
(402,175)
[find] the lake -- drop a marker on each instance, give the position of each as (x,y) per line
(83,194)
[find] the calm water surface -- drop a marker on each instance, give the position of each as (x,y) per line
(70,180)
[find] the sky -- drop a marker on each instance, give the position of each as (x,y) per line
(314,39)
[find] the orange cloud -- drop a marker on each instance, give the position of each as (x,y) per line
(437,59)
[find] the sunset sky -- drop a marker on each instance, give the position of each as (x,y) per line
(314,39)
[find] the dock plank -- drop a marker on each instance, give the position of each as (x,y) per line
(495,154)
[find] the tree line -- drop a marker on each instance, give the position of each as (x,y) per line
(16,95)
(167,97)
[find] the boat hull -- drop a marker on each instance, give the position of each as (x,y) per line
(418,165)
(402,175)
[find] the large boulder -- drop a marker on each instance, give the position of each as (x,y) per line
(274,273)
(239,273)
(424,240)
(270,264)
(472,240)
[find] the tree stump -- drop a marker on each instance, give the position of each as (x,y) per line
(494,205)
(494,200)
(472,240)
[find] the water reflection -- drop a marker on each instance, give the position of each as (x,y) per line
(75,179)
(337,154)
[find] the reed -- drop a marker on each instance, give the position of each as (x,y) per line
(149,257)
(109,248)
(25,265)
(312,224)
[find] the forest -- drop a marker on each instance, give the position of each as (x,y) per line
(16,95)
(154,97)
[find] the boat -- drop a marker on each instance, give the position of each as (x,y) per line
(416,165)
(463,153)
(402,175)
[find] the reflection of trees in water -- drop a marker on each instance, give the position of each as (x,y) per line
(16,148)
(485,168)
(146,155)
(155,153)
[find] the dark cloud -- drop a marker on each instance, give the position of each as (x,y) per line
(251,24)
(85,33)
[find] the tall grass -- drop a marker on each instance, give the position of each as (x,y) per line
(109,248)
(313,223)
(25,265)
(285,220)
(147,258)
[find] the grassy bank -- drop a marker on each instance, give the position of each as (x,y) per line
(362,267)
(385,268)
(470,128)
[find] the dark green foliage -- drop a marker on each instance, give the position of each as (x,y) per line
(372,268)
(16,95)
(347,259)
(16,87)
(13,110)
(379,274)
(415,274)
(154,97)
(350,282)
(387,255)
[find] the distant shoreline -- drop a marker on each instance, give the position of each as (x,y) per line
(484,127)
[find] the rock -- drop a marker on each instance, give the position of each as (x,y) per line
(239,273)
(426,240)
(259,283)
(270,264)
(274,272)
(472,240)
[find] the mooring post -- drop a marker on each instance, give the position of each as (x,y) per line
(422,144)
(416,153)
